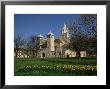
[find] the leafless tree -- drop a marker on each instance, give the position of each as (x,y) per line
(18,43)
(89,22)
(83,34)
(32,45)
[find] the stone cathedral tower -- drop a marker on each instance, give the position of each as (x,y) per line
(64,34)
(50,41)
(40,39)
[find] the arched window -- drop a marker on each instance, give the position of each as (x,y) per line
(43,54)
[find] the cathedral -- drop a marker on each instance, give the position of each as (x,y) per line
(51,47)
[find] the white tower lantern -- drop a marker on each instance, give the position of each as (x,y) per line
(64,29)
(65,34)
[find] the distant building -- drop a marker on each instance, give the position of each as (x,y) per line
(21,53)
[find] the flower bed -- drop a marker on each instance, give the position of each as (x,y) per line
(61,68)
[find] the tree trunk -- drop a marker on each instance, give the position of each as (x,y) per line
(33,53)
(78,54)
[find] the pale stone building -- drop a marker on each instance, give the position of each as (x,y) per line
(21,53)
(51,47)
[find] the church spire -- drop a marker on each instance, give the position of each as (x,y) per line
(64,25)
(64,29)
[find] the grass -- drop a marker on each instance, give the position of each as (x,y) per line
(56,67)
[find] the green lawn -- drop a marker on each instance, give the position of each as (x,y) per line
(56,67)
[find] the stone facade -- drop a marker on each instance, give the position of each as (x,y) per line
(51,47)
(55,47)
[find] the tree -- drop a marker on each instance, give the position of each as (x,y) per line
(78,39)
(18,43)
(83,34)
(89,22)
(32,45)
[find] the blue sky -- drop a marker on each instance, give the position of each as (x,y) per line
(35,24)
